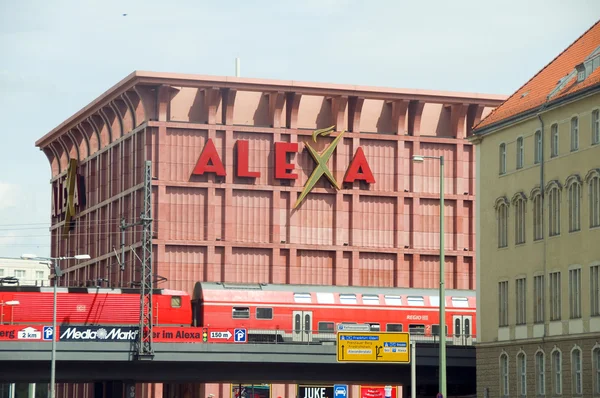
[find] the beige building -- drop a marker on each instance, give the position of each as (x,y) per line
(538,233)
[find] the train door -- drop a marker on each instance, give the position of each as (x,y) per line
(302,326)
(462,329)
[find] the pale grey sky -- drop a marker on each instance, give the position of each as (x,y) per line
(57,56)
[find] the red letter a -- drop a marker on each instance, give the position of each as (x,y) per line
(359,169)
(209,154)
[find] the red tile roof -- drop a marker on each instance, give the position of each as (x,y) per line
(534,93)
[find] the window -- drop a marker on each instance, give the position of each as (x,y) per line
(302,297)
(415,300)
(502,159)
(434,301)
(540,375)
(1,272)
(504,375)
(460,302)
(39,275)
(325,298)
(554,211)
(521,301)
(538,218)
(596,127)
(576,371)
(555,298)
(519,204)
(574,192)
(241,313)
(175,301)
(370,299)
(557,372)
(393,327)
(19,273)
(538,304)
(520,153)
(574,134)
(502,215)
(325,327)
(416,329)
(374,327)
(593,179)
(522,373)
(537,151)
(554,140)
(596,366)
(264,313)
(435,330)
(595,290)
(575,293)
(391,299)
(348,298)
(503,303)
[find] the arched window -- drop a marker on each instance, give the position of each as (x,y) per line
(553,190)
(538,218)
(596,369)
(574,192)
(502,217)
(520,153)
(557,372)
(537,150)
(519,203)
(554,140)
(593,180)
(540,373)
(502,156)
(522,373)
(574,133)
(576,371)
(504,375)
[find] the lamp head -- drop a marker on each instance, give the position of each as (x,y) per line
(12,302)
(82,257)
(28,256)
(418,159)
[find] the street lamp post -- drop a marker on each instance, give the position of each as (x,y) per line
(57,274)
(442,328)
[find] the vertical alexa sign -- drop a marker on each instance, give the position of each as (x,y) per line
(358,169)
(68,195)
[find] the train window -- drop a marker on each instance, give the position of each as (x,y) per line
(393,327)
(374,327)
(264,313)
(416,329)
(241,313)
(434,301)
(460,302)
(326,327)
(391,299)
(325,298)
(348,298)
(302,297)
(370,299)
(175,301)
(435,330)
(415,300)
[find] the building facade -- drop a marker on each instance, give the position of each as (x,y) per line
(538,211)
(15,271)
(232,195)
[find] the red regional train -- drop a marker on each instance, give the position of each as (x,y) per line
(270,312)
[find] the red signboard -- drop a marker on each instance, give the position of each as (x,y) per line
(378,391)
(25,333)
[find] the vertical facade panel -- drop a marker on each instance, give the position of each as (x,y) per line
(184,213)
(248,265)
(374,269)
(260,157)
(428,172)
(313,267)
(382,159)
(181,151)
(251,216)
(377,224)
(428,235)
(314,220)
(183,266)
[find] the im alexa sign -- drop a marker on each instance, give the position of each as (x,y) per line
(358,169)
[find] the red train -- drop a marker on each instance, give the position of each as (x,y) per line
(283,313)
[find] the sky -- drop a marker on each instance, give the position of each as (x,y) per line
(58,56)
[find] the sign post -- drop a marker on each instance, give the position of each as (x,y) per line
(413,369)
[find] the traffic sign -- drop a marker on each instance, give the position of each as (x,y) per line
(240,336)
(344,327)
(226,335)
(340,391)
(373,347)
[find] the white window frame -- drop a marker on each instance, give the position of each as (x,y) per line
(522,373)
(502,219)
(519,204)
(576,371)
(521,313)
(596,368)
(20,273)
(537,150)
(595,290)
(596,127)
(538,217)
(554,210)
(554,142)
(574,133)
(502,159)
(504,375)
(520,153)
(593,182)
(555,296)
(538,293)
(540,373)
(574,198)
(556,371)
(502,303)
(575,293)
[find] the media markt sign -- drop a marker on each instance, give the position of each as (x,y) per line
(209,161)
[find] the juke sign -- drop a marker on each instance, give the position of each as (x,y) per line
(358,169)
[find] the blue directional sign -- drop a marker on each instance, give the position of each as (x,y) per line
(47,333)
(240,335)
(340,391)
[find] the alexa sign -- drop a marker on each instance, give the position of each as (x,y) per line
(358,169)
